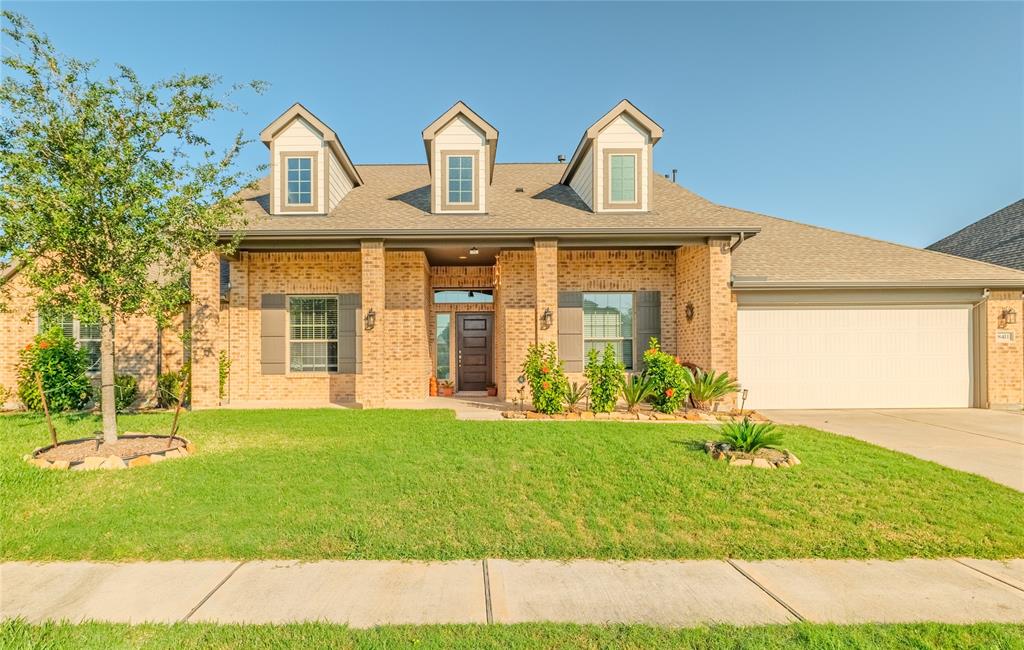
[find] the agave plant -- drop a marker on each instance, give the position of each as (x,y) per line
(707,387)
(635,390)
(750,436)
(575,394)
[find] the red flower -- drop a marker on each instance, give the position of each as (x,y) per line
(43,345)
(677,359)
(546,385)
(545,369)
(28,347)
(669,392)
(652,351)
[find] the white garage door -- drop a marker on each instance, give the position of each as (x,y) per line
(900,357)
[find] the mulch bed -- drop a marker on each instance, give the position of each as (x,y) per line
(125,448)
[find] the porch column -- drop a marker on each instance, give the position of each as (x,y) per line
(370,384)
(205,285)
(545,253)
(1004,356)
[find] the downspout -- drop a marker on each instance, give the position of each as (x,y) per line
(736,244)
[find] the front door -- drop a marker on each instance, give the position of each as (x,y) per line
(474,350)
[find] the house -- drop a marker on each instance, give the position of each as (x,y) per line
(357,283)
(996,239)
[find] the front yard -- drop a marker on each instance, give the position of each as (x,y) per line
(318,484)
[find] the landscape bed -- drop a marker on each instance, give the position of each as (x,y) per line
(350,484)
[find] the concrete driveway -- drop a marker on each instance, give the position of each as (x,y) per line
(989,443)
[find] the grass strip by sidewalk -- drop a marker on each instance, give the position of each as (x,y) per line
(17,635)
(335,484)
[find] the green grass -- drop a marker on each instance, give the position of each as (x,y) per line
(318,484)
(185,636)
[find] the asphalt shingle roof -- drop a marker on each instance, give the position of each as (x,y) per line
(396,198)
(997,239)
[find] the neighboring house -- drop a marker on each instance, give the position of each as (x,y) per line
(355,284)
(996,239)
(140,349)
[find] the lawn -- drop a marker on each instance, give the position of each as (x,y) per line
(316,484)
(17,635)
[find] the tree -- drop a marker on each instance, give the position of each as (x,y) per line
(109,191)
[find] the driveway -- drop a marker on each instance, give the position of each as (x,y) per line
(981,441)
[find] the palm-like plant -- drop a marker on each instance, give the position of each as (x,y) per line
(635,390)
(707,387)
(750,436)
(575,394)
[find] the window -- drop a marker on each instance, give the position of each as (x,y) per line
(313,334)
(460,179)
(623,178)
(300,181)
(444,347)
(608,318)
(87,335)
(463,296)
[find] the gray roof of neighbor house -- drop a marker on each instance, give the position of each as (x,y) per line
(997,239)
(528,198)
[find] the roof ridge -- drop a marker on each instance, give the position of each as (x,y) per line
(976,224)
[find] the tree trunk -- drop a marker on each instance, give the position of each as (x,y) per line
(108,403)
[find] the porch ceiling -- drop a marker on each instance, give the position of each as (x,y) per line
(459,255)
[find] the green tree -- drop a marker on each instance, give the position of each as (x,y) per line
(109,190)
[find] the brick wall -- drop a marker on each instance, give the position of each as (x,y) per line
(514,316)
(407,310)
(205,315)
(371,386)
(546,270)
(702,280)
(1005,365)
(17,327)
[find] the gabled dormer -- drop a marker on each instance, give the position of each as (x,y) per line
(612,168)
(309,169)
(461,147)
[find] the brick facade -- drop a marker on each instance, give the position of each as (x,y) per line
(1005,347)
(702,279)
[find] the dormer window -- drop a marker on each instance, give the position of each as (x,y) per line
(300,181)
(460,179)
(622,181)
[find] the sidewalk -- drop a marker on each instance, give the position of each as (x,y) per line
(367,593)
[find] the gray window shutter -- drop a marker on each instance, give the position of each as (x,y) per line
(350,334)
(273,333)
(570,330)
(648,324)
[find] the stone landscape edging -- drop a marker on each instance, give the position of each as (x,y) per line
(112,461)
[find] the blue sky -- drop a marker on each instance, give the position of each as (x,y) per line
(902,121)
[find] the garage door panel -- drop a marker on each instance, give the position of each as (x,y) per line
(855,357)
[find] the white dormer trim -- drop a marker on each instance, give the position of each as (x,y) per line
(460,133)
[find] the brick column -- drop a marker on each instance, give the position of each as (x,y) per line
(545,253)
(205,284)
(1005,350)
(370,384)
(722,307)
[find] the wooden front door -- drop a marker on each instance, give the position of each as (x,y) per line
(474,342)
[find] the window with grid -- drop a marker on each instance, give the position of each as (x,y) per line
(313,334)
(623,178)
(608,318)
(460,179)
(300,181)
(87,335)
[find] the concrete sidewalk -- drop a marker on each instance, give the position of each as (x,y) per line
(368,593)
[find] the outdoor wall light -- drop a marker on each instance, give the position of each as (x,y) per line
(689,311)
(1008,317)
(370,319)
(546,318)
(474,251)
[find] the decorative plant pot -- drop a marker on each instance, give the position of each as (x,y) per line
(447,391)
(492,391)
(433,386)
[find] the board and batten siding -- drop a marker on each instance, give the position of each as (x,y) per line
(622,133)
(340,183)
(298,136)
(460,135)
(583,180)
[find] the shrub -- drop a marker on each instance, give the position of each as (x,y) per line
(707,387)
(606,376)
(544,373)
(575,394)
(169,385)
(750,436)
(126,390)
(223,371)
(668,383)
(635,390)
(62,365)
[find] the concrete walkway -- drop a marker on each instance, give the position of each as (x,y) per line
(980,441)
(368,593)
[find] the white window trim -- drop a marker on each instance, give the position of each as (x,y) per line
(289,339)
(472,179)
(632,335)
(287,191)
(611,178)
(76,330)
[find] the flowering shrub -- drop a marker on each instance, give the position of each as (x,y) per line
(62,365)
(544,373)
(667,377)
(606,376)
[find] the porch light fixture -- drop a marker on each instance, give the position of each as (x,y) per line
(370,319)
(474,251)
(689,312)
(1007,317)
(546,318)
